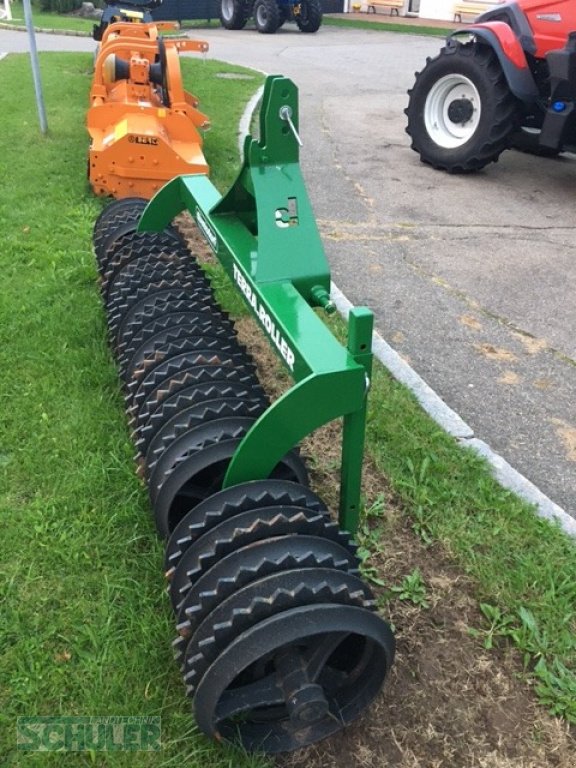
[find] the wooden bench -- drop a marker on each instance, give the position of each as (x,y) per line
(394,5)
(470,9)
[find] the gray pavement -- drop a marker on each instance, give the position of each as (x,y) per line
(472,279)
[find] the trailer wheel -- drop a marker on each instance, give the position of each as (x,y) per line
(266,16)
(310,17)
(461,113)
(233,14)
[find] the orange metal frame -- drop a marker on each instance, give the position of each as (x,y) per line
(144,127)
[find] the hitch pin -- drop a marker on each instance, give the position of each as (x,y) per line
(286,114)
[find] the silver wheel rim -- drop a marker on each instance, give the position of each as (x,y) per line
(441,129)
(261,15)
(227,9)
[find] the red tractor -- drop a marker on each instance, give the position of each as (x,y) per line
(508,80)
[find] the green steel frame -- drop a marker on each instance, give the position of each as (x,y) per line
(264,233)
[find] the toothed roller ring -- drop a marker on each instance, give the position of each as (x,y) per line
(196,385)
(256,494)
(157,299)
(267,596)
(244,529)
(112,217)
(194,416)
(200,472)
(175,366)
(171,322)
(147,272)
(198,297)
(169,344)
(142,249)
(126,233)
(247,565)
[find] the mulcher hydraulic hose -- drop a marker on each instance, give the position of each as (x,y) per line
(278,640)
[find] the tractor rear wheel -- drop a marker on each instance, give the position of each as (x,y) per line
(234,13)
(461,113)
(266,16)
(310,17)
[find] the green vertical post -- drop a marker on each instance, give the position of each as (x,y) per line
(360,326)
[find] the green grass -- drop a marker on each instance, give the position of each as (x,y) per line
(47,20)
(524,568)
(85,627)
(387,26)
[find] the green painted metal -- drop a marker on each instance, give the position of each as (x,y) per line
(264,233)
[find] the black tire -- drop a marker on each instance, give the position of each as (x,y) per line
(310,17)
(266,16)
(234,13)
(461,113)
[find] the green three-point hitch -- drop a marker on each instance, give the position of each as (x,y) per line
(264,234)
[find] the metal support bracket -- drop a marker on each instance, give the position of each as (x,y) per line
(264,233)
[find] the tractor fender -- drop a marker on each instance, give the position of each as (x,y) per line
(500,37)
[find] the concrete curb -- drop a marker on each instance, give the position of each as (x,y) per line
(66,32)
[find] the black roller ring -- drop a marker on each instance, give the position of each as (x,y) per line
(113,216)
(184,395)
(124,234)
(201,473)
(176,365)
(168,344)
(193,441)
(127,318)
(143,250)
(198,297)
(195,416)
(259,600)
(256,494)
(148,271)
(128,291)
(252,562)
(244,529)
(171,321)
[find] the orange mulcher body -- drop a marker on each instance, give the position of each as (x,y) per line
(144,127)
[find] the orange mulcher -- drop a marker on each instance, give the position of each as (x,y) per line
(144,127)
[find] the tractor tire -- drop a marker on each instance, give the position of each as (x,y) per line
(266,16)
(310,17)
(234,13)
(461,113)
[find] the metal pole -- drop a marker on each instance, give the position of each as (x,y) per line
(35,67)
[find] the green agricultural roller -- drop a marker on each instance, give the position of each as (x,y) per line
(279,642)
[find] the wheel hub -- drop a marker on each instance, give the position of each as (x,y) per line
(452,111)
(460,111)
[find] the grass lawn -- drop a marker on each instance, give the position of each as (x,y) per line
(85,628)
(48,20)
